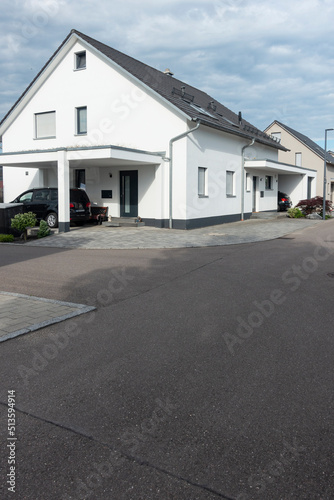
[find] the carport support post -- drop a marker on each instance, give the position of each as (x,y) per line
(63,191)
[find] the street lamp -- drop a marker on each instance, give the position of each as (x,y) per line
(325,180)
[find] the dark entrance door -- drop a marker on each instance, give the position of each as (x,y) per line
(129,193)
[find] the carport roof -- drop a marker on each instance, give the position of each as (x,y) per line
(277,167)
(192,102)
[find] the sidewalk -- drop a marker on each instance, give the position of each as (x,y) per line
(107,237)
(21,314)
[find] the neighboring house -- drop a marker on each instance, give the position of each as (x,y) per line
(139,141)
(302,151)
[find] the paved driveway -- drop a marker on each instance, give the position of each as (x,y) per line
(106,236)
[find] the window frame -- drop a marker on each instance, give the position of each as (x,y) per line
(248,183)
(268,185)
(277,136)
(298,159)
(77,120)
(232,184)
(203,178)
(37,126)
(77,56)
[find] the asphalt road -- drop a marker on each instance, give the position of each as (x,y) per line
(204,374)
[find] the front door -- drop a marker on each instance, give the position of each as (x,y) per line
(129,193)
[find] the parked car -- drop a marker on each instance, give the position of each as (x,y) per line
(44,203)
(283,201)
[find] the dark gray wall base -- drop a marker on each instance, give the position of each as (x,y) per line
(64,227)
(196,223)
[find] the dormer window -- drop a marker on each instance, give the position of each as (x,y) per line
(80,60)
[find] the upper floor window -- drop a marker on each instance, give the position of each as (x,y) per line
(45,125)
(298,157)
(81,120)
(80,60)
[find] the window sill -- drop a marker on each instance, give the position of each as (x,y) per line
(203,196)
(42,138)
(80,135)
(230,196)
(79,69)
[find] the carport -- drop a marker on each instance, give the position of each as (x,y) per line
(141,171)
(271,176)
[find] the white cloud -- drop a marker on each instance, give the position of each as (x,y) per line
(269,59)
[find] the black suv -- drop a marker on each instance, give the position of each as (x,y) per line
(44,203)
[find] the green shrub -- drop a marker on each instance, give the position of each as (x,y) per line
(6,238)
(295,213)
(22,221)
(43,230)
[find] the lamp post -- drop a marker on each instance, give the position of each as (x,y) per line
(325,180)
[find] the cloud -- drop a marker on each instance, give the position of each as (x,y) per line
(268,59)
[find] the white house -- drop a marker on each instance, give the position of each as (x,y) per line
(140,141)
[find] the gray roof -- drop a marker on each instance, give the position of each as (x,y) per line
(193,102)
(318,150)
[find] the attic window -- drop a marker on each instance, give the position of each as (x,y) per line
(202,110)
(80,60)
(227,120)
(276,136)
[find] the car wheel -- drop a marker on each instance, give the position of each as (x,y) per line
(52,219)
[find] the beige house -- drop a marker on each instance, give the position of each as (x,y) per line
(304,152)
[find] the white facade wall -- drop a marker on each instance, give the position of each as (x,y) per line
(119,112)
(98,178)
(219,152)
(17,179)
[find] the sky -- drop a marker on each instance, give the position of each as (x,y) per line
(270,60)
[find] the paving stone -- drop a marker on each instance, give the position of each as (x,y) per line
(35,312)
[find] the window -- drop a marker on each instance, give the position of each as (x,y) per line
(298,158)
(230,188)
(269,182)
(277,136)
(81,120)
(80,60)
(202,110)
(202,181)
(248,182)
(26,197)
(45,125)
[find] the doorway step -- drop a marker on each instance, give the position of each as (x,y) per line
(124,222)
(267,215)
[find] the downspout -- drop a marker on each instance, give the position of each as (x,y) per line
(243,177)
(174,139)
